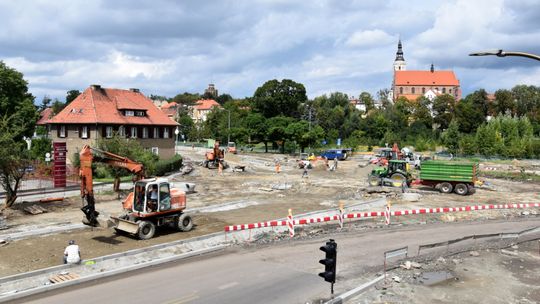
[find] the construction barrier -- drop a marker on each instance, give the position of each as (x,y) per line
(336,217)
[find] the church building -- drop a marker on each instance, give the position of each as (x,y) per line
(413,84)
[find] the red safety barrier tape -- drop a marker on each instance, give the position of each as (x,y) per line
(380,214)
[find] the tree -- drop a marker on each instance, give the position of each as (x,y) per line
(39,147)
(469,116)
(223,98)
(45,102)
(71,95)
(186,124)
(504,103)
(276,98)
(16,103)
(451,137)
(277,130)
(257,128)
(13,158)
(443,110)
(131,149)
(187,99)
(57,106)
(18,117)
(367,100)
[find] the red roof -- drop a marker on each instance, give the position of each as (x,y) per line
(206,104)
(443,78)
(169,105)
(44,116)
(102,105)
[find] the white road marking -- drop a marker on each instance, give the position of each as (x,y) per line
(232,284)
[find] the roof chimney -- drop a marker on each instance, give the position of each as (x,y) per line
(95,87)
(134,90)
(432,68)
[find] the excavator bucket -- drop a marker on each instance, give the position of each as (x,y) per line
(90,212)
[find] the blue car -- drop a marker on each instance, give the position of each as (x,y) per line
(340,154)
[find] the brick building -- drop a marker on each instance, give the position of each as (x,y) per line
(413,84)
(101,112)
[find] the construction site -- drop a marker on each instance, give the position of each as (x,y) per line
(261,187)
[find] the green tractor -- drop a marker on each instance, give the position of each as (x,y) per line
(395,174)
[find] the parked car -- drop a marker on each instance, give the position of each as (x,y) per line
(340,154)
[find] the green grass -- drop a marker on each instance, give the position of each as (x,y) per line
(111,179)
(515,176)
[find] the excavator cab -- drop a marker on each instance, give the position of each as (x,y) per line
(149,197)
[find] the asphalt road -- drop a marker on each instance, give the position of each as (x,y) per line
(284,273)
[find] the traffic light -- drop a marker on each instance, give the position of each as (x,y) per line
(329,262)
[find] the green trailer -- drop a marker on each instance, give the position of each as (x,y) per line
(448,176)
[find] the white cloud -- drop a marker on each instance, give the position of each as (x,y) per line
(370,38)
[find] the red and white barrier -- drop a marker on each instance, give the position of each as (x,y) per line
(377,214)
(290,224)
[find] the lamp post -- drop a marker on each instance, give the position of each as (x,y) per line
(229,129)
(501,53)
(176,131)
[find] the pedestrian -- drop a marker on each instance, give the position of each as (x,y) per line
(72,253)
(326,163)
(220,168)
(278,167)
(305,173)
(335,163)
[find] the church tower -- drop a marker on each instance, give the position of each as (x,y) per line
(399,63)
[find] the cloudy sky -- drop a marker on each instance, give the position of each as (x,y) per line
(167,47)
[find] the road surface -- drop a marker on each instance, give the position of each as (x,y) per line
(284,273)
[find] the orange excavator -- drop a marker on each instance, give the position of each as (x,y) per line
(153,203)
(214,157)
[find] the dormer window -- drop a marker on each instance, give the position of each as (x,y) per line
(129,113)
(140,113)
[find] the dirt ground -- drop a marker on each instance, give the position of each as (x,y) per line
(486,276)
(240,197)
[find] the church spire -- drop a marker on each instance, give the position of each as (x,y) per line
(399,63)
(399,53)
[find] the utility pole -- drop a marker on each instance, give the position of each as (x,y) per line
(229,130)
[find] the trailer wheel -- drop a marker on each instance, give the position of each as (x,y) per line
(146,230)
(446,187)
(184,223)
(461,189)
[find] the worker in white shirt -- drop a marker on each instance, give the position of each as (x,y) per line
(72,254)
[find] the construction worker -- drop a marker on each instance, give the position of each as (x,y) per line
(278,167)
(72,253)
(152,202)
(326,163)
(305,173)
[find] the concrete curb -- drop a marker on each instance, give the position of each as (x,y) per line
(96,276)
(353,292)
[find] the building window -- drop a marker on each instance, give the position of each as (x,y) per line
(84,132)
(129,113)
(108,132)
(401,90)
(449,91)
(165,132)
(423,90)
(413,90)
(122,131)
(444,90)
(155,150)
(156,132)
(62,131)
(139,113)
(145,132)
(133,132)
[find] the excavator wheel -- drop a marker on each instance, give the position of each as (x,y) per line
(146,230)
(184,223)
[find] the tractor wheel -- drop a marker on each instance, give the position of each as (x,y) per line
(461,189)
(146,230)
(446,187)
(471,189)
(398,179)
(374,181)
(184,223)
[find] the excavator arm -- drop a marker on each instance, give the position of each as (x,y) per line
(87,157)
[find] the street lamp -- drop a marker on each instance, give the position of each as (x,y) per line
(176,131)
(501,53)
(229,124)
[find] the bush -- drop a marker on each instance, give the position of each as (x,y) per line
(164,166)
(101,171)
